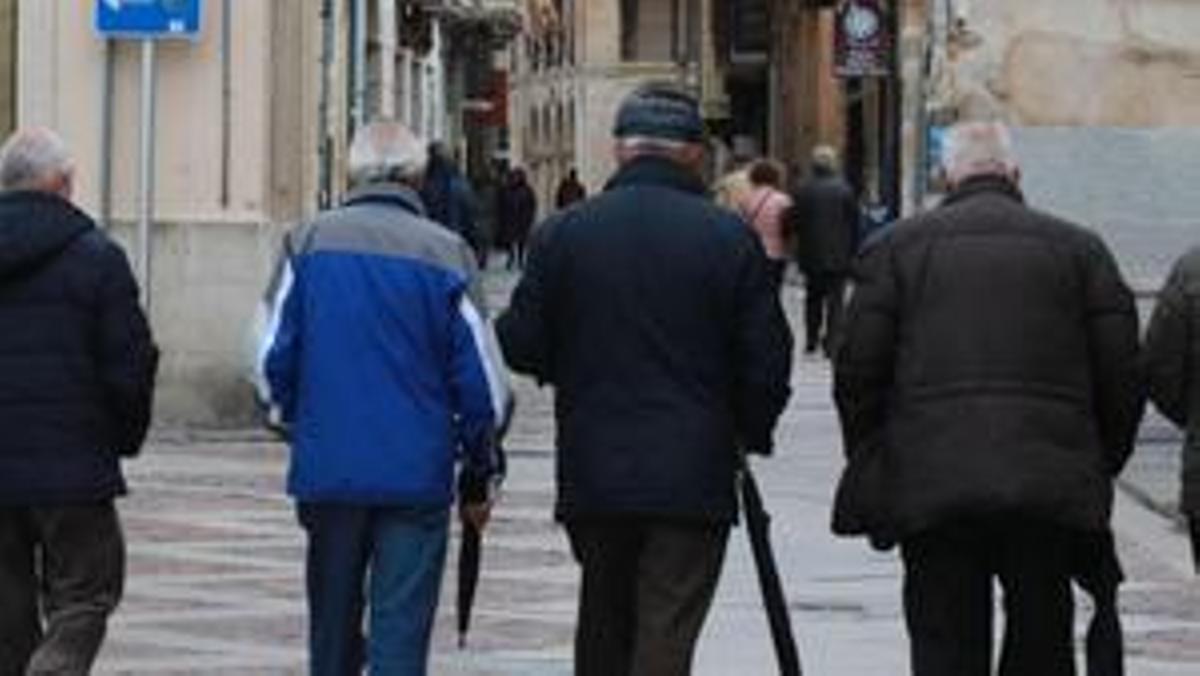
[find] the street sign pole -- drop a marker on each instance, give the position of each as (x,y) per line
(147,21)
(146,170)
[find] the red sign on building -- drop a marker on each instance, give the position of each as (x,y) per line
(863,40)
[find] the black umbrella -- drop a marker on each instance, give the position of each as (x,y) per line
(468,577)
(758,528)
(472,490)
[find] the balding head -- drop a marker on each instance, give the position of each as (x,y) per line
(36,159)
(979,149)
(386,151)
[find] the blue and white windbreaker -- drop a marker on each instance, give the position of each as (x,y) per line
(377,354)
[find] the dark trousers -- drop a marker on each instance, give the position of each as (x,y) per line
(396,555)
(778,273)
(647,587)
(948,598)
(823,298)
(64,565)
(516,253)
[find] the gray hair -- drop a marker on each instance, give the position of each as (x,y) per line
(386,151)
(648,145)
(32,156)
(826,157)
(979,149)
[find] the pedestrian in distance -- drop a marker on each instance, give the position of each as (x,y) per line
(380,362)
(826,236)
(520,205)
(988,388)
(651,312)
(765,207)
(570,190)
(450,201)
(1172,353)
(77,366)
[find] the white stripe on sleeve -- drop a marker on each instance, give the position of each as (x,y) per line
(488,349)
(266,322)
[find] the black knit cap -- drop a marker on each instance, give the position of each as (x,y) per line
(661,111)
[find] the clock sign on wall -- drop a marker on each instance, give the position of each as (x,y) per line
(862,39)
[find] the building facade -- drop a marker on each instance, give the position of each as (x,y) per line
(761,68)
(252,124)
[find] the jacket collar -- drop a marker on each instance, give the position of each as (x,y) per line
(393,194)
(994,184)
(658,171)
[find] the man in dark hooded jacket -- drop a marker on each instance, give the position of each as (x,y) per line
(77,368)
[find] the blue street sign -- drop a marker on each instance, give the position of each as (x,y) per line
(148,18)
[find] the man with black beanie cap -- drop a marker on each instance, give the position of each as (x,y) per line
(651,312)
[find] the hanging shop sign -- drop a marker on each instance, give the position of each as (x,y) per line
(863,40)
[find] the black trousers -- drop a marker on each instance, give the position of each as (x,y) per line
(948,598)
(823,299)
(647,587)
(64,565)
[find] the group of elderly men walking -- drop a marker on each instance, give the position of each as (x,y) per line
(988,376)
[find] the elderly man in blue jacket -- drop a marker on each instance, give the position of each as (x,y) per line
(378,358)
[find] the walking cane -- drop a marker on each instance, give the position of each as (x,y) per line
(758,525)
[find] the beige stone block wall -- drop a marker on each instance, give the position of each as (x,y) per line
(1086,63)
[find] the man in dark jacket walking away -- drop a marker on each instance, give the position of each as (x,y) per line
(651,312)
(520,210)
(1172,355)
(77,366)
(570,190)
(825,223)
(988,383)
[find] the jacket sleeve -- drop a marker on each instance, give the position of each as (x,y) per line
(1118,391)
(865,357)
(128,355)
(278,352)
(481,397)
(524,327)
(763,350)
(1167,354)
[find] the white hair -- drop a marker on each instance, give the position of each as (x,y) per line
(978,149)
(30,157)
(386,151)
(649,145)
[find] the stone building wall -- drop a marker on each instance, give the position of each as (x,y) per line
(1104,98)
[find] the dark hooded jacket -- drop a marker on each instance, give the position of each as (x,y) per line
(990,365)
(77,361)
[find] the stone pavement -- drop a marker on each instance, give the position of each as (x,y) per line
(215,583)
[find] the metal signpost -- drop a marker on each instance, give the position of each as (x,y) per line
(147,21)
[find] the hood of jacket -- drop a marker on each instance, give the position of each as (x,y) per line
(34,228)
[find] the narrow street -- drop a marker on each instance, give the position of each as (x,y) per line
(215,571)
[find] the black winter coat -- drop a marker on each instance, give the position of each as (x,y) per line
(652,312)
(824,221)
(990,356)
(1172,357)
(77,362)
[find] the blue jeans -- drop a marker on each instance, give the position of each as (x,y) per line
(398,554)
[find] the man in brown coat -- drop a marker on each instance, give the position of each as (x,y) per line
(989,393)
